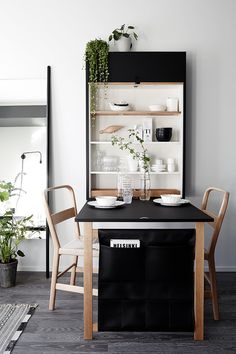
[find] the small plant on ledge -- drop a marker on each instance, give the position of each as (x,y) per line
(141,156)
(96,55)
(128,145)
(124,33)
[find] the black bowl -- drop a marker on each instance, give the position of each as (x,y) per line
(163,134)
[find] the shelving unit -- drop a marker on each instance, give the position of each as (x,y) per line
(139,95)
(136,113)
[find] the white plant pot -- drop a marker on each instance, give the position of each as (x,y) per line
(132,164)
(123,44)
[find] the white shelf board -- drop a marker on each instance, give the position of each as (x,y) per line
(134,143)
(132,173)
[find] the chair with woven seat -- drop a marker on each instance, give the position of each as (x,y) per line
(209,254)
(73,248)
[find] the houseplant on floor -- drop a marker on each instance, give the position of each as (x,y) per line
(122,37)
(12,231)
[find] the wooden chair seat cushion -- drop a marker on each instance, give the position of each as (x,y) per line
(76,248)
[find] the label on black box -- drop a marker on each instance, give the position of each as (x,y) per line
(118,243)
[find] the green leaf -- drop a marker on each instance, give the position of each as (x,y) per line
(122,27)
(117,36)
(20,253)
(131,27)
(4,196)
(135,36)
(126,35)
(110,37)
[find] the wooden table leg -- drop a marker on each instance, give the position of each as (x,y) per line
(199,283)
(88,281)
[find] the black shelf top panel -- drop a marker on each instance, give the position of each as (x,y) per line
(143,211)
(147,67)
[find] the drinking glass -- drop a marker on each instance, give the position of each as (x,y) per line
(127,189)
(127,195)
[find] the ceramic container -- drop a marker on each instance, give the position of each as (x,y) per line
(106,201)
(170,198)
(172,104)
(157,107)
(163,134)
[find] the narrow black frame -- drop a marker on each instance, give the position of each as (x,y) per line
(48,149)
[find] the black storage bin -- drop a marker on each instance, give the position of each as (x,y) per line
(148,288)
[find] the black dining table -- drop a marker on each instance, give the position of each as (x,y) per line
(147,212)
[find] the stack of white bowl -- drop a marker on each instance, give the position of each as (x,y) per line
(158,166)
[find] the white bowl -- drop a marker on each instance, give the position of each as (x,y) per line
(106,201)
(159,165)
(170,198)
(157,107)
(158,162)
(118,108)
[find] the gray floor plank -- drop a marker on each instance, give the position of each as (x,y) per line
(61,331)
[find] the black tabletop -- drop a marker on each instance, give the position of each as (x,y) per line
(143,211)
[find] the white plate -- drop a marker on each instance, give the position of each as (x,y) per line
(181,202)
(94,203)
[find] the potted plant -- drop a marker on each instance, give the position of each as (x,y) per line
(141,156)
(12,231)
(96,55)
(122,37)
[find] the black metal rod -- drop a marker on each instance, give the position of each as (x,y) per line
(48,115)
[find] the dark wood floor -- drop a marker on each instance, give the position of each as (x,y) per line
(61,331)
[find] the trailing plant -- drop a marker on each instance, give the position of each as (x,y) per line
(96,55)
(12,232)
(123,31)
(123,144)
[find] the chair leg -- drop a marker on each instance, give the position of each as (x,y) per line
(73,271)
(55,267)
(212,276)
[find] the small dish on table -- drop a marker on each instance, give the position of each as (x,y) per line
(179,203)
(95,204)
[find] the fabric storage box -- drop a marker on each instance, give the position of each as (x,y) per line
(147,288)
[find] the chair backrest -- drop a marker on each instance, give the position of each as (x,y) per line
(56,218)
(218,217)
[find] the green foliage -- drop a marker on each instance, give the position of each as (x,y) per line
(12,232)
(5,190)
(128,145)
(96,54)
(123,31)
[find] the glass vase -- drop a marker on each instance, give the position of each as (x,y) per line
(145,184)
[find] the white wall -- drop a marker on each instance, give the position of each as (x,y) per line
(37,33)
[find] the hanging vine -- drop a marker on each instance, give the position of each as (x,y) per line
(96,55)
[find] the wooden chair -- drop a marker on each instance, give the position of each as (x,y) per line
(209,254)
(73,248)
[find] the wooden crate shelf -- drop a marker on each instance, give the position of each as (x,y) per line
(154,192)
